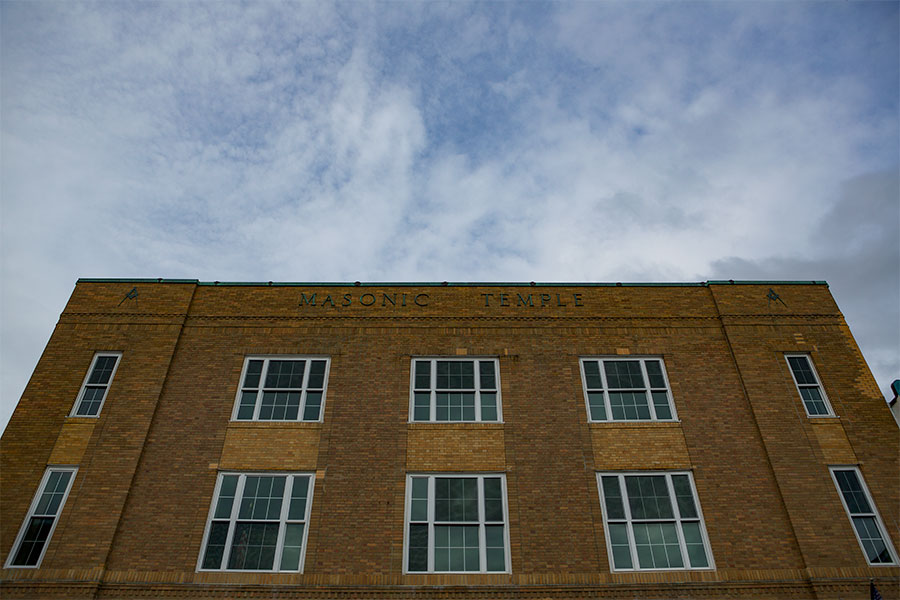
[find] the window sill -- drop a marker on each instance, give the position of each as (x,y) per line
(454,425)
(274,425)
(634,424)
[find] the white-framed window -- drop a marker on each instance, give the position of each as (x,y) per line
(455,390)
(43,515)
(867,523)
(258,522)
(456,524)
(653,521)
(626,389)
(96,384)
(807,381)
(282,388)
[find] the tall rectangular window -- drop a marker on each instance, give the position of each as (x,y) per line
(96,384)
(258,522)
(653,522)
(867,524)
(814,399)
(456,524)
(455,390)
(626,389)
(43,515)
(282,388)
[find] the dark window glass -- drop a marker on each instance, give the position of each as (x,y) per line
(592,375)
(624,374)
(418,547)
(33,541)
(488,379)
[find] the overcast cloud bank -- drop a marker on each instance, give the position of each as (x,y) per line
(429,142)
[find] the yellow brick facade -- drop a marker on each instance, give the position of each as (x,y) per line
(134,521)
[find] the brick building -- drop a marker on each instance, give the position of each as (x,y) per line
(187,439)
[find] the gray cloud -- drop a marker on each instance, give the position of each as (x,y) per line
(458,141)
(857,250)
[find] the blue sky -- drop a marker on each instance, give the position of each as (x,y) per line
(396,141)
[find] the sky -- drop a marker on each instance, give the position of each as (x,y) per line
(400,141)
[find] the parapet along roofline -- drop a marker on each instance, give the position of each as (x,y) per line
(451,283)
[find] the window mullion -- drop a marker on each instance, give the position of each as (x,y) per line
(477,383)
(232,521)
(282,524)
(304,386)
(482,539)
(430,516)
(432,392)
(629,522)
(648,394)
(676,510)
(601,364)
(259,392)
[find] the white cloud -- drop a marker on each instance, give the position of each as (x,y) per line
(440,142)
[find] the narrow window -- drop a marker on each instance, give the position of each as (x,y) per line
(653,522)
(867,524)
(287,388)
(633,389)
(258,522)
(455,390)
(456,524)
(807,382)
(96,385)
(42,517)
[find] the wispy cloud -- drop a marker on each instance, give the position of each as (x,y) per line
(494,141)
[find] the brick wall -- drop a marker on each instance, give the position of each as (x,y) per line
(135,518)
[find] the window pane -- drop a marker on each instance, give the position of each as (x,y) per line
(102,370)
(215,546)
(693,540)
(613,495)
(442,406)
(226,497)
(623,374)
(654,372)
(253,546)
(488,406)
(33,541)
(648,497)
(422,406)
(684,496)
(419,506)
(802,370)
(629,406)
(423,375)
(458,548)
(299,494)
(870,536)
(248,404)
(254,370)
(90,401)
(313,406)
(316,375)
(852,491)
(812,398)
(661,404)
(618,537)
(418,548)
(293,542)
(598,406)
(493,500)
(592,375)
(456,375)
(488,378)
